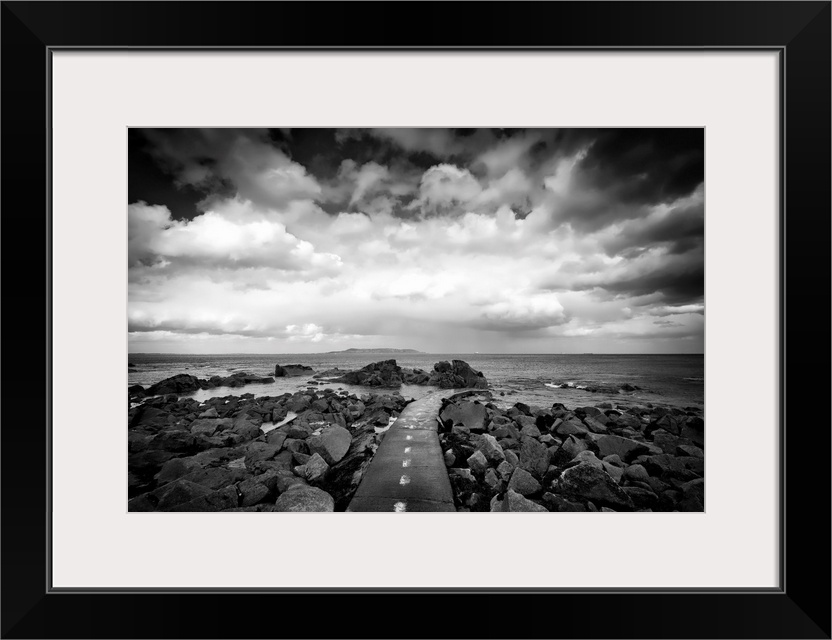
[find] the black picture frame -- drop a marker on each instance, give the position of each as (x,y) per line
(799,608)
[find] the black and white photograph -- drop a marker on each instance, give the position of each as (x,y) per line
(416,320)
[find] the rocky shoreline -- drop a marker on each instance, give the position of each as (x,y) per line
(307,451)
(184,455)
(608,457)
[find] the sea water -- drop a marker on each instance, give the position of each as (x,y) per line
(664,380)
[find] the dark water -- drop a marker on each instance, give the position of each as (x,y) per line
(671,380)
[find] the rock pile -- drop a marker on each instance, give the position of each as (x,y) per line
(214,456)
(622,458)
(387,373)
(291,370)
(185,383)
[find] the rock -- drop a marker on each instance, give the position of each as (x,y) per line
(559,503)
(178,492)
(143,503)
(284,480)
(276,438)
(667,442)
(491,449)
(530,430)
(642,498)
(469,414)
(614,460)
(511,457)
(624,448)
(523,483)
(257,452)
(534,457)
(595,425)
(226,498)
(664,465)
(450,458)
(178,384)
(693,429)
(571,427)
(460,376)
(252,492)
(571,447)
(491,478)
(297,431)
(693,496)
(689,450)
(209,426)
(477,462)
(214,478)
(588,482)
(513,501)
(332,444)
(505,469)
(304,498)
(175,441)
(211,412)
(378,374)
(635,472)
(315,469)
(291,370)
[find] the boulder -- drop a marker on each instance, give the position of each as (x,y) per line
(468,414)
(558,503)
(377,374)
(314,469)
(693,496)
(642,498)
(624,448)
(523,483)
(257,452)
(210,426)
(178,492)
(226,498)
(595,425)
(301,497)
(178,384)
(588,482)
(689,450)
(456,375)
(252,492)
(291,370)
(477,462)
(276,438)
(665,441)
(636,473)
(513,501)
(571,427)
(211,412)
(491,449)
(533,457)
(332,444)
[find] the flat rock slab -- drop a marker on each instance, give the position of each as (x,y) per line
(408,471)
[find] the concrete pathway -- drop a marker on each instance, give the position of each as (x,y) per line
(408,471)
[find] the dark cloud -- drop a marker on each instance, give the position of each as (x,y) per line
(645,166)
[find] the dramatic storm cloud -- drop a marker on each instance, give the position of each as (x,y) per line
(443,240)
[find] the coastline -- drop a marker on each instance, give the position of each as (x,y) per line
(246,452)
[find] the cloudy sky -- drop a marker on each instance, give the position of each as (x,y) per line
(442,240)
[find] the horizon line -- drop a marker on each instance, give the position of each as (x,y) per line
(425,353)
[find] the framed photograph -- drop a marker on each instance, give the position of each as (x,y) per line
(493,310)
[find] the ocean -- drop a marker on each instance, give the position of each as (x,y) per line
(664,380)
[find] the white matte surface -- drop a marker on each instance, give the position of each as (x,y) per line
(98,95)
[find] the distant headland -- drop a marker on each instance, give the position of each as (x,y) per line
(377,351)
